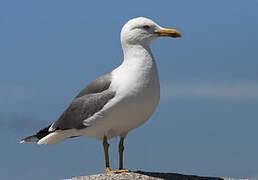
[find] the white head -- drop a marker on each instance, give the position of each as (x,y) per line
(143,30)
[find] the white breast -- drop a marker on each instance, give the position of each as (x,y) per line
(137,95)
(137,88)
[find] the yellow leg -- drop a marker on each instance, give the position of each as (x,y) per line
(121,149)
(106,145)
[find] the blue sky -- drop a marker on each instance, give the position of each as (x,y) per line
(206,122)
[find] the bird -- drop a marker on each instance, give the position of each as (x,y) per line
(118,101)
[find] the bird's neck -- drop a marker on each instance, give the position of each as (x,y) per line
(138,59)
(136,52)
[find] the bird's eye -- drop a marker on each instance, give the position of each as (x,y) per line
(146,27)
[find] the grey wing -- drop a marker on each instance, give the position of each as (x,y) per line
(99,85)
(88,102)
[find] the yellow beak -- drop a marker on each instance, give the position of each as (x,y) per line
(169,32)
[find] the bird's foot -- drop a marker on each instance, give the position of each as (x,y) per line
(108,170)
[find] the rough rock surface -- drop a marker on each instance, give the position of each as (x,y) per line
(141,175)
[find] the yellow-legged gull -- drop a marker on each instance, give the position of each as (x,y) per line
(117,102)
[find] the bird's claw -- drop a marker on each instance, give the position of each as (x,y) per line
(109,171)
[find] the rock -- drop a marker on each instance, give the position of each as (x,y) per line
(141,175)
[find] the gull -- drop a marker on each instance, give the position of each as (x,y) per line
(117,102)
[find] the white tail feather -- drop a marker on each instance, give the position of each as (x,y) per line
(57,136)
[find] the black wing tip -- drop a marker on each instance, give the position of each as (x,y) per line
(29,139)
(35,138)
